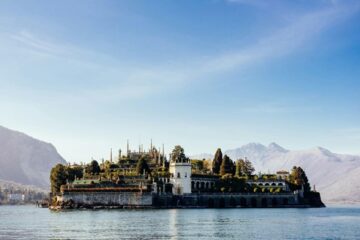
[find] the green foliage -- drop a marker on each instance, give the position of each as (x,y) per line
(228,183)
(216,163)
(227,166)
(197,165)
(142,166)
(178,154)
(244,168)
(93,168)
(74,172)
(239,167)
(249,169)
(58,177)
(299,179)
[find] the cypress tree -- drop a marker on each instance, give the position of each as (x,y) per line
(227,166)
(141,166)
(216,163)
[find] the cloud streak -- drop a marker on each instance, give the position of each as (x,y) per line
(128,81)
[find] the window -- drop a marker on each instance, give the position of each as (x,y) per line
(186,174)
(178,175)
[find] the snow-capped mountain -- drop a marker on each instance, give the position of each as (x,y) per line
(334,175)
(26,160)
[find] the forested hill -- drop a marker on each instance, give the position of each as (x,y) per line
(26,160)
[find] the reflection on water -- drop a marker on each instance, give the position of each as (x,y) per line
(29,222)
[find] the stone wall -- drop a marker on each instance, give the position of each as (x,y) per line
(219,200)
(136,199)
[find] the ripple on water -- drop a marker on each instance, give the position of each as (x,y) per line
(29,222)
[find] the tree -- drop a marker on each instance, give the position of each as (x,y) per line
(178,154)
(93,168)
(198,165)
(142,166)
(58,177)
(216,163)
(228,183)
(74,172)
(299,178)
(227,166)
(248,168)
(240,166)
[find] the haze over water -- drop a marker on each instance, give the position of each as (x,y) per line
(29,222)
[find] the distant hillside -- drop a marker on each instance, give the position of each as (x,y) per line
(335,175)
(26,160)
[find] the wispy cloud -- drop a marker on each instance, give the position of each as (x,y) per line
(128,81)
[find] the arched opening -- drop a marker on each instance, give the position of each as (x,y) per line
(253,202)
(260,184)
(197,185)
(243,202)
(222,203)
(178,175)
(210,203)
(273,184)
(280,184)
(202,185)
(266,184)
(192,185)
(207,185)
(264,202)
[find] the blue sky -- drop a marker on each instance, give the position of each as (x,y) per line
(87,75)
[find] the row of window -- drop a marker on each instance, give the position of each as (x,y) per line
(179,175)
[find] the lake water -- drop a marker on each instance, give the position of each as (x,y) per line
(29,222)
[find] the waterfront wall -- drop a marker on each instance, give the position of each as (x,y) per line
(220,200)
(201,200)
(136,199)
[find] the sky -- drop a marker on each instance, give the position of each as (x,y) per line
(88,75)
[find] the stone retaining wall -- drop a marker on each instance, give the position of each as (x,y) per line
(227,200)
(137,199)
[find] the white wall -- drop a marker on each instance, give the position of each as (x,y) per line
(181,184)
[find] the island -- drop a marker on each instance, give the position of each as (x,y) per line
(150,179)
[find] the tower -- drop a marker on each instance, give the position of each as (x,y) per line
(180,173)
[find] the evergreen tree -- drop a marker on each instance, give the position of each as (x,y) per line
(216,163)
(93,168)
(178,154)
(299,178)
(74,172)
(58,177)
(227,166)
(142,166)
(240,165)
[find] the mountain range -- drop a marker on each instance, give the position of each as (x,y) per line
(336,176)
(26,160)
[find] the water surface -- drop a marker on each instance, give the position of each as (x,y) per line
(29,222)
